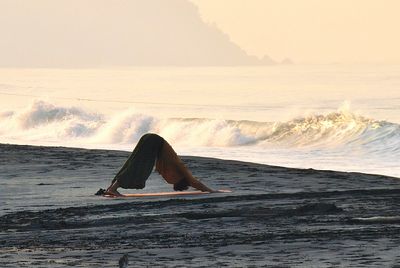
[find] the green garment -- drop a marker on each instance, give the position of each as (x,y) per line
(138,167)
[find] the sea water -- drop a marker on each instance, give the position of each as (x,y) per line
(338,117)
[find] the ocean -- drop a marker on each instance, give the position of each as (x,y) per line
(330,117)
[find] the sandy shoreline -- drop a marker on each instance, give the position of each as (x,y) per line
(275,217)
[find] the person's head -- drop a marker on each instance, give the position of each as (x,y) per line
(181,185)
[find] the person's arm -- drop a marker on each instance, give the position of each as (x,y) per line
(195,183)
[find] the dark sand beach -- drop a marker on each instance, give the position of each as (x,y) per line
(275,216)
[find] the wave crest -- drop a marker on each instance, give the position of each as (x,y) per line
(332,129)
(43,121)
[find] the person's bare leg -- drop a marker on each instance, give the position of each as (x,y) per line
(112,189)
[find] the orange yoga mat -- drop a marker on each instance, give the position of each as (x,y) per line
(166,194)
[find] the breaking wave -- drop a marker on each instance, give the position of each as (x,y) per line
(45,122)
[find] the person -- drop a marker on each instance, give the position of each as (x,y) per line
(152,150)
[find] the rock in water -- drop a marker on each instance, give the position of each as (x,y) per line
(123,262)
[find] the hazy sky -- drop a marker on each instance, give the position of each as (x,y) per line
(310,30)
(197,32)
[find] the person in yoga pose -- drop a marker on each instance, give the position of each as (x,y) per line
(154,150)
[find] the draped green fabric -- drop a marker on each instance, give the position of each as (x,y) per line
(138,167)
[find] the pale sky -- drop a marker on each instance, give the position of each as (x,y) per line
(312,31)
(78,33)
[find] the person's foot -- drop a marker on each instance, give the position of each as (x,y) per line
(112,193)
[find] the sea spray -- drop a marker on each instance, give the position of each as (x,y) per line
(125,127)
(43,120)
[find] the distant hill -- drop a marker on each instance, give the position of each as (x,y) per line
(90,33)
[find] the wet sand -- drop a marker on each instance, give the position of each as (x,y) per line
(275,217)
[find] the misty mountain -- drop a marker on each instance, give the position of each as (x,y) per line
(89,33)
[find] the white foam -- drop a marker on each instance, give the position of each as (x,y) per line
(379,219)
(299,142)
(43,120)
